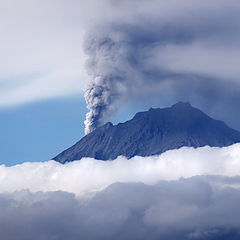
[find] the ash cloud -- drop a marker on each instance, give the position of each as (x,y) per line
(185,50)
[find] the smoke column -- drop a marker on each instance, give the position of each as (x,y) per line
(98,98)
(108,67)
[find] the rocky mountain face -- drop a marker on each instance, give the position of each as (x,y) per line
(152,132)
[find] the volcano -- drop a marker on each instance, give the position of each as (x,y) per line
(151,133)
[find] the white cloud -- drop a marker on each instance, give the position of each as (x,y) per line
(89,175)
(158,197)
(41,51)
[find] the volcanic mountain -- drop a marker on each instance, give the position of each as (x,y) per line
(152,132)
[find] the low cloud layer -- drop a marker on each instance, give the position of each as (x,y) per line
(190,194)
(90,175)
(183,209)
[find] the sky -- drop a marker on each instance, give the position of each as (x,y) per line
(118,54)
(69,66)
(39,131)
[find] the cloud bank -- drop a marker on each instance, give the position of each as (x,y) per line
(182,194)
(184,209)
(90,175)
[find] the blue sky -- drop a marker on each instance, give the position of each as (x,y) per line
(38,131)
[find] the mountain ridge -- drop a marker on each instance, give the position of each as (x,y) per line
(152,132)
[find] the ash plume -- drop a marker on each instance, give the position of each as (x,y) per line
(156,51)
(110,75)
(98,98)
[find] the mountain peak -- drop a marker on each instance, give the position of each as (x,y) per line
(107,125)
(153,132)
(181,105)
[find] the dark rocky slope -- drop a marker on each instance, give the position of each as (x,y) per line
(153,132)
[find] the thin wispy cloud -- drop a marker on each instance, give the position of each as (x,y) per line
(41,51)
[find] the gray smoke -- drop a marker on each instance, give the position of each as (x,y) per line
(154,49)
(110,73)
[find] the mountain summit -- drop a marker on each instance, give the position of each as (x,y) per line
(152,132)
